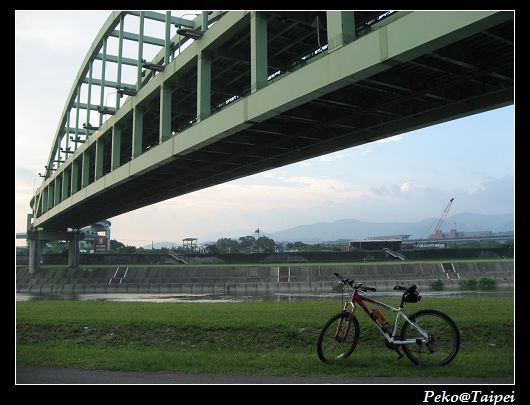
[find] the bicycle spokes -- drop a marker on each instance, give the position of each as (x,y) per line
(442,342)
(338,337)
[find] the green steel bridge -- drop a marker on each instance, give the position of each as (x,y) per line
(235,93)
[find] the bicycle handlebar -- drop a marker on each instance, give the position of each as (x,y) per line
(358,286)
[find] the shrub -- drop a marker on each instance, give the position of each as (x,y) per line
(486,283)
(470,284)
(438,285)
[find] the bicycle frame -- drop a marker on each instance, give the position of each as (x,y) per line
(357,298)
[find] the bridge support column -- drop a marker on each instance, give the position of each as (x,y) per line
(35,247)
(107,236)
(258,51)
(341,28)
(204,86)
(138,129)
(73,251)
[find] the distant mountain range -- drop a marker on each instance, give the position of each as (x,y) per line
(355,229)
(351,229)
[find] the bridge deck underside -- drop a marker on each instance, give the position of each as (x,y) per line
(470,76)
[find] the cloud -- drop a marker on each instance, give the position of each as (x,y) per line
(53,29)
(396,138)
(406,187)
(332,157)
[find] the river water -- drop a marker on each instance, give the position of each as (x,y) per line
(211,298)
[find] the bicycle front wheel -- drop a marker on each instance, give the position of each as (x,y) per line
(338,337)
(443,338)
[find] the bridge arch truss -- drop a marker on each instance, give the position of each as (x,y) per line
(234,93)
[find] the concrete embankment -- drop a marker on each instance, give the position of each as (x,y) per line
(263,279)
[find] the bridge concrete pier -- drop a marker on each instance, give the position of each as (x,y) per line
(36,238)
(73,251)
(35,247)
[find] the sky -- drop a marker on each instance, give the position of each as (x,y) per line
(404,178)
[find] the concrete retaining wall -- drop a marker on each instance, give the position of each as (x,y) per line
(256,280)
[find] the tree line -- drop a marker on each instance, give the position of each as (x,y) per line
(244,244)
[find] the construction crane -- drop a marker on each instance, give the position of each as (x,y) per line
(437,233)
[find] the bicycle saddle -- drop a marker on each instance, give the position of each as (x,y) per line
(410,289)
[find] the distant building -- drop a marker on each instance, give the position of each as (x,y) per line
(454,234)
(389,237)
(92,240)
(373,244)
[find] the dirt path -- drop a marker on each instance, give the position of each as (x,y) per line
(58,375)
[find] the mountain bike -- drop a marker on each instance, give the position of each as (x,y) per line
(427,337)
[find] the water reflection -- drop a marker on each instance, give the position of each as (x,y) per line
(215,298)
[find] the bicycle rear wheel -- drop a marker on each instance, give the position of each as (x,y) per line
(338,337)
(444,338)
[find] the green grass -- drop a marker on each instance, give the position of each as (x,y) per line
(259,338)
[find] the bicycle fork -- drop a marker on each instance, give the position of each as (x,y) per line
(342,337)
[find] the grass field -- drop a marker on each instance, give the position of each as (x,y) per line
(256,338)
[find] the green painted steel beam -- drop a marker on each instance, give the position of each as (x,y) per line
(204,21)
(165,112)
(114,59)
(116,147)
(107,27)
(258,51)
(135,37)
(141,39)
(99,159)
(89,96)
(78,131)
(406,38)
(77,106)
(120,56)
(67,137)
(340,28)
(56,192)
(204,86)
(83,106)
(74,183)
(167,38)
(94,52)
(44,198)
(51,189)
(85,167)
(137,132)
(65,185)
(114,85)
(151,15)
(103,69)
